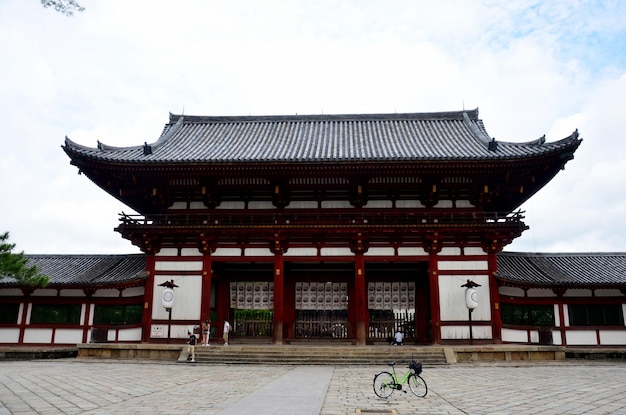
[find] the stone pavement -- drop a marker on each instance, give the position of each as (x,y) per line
(76,386)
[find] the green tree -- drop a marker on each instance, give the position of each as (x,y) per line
(67,7)
(15,265)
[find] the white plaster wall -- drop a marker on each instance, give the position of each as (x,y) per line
(514,336)
(336,204)
(336,252)
(556,338)
(38,335)
(411,251)
(11,292)
(227,252)
(72,293)
(511,291)
(258,252)
(388,251)
(261,205)
(167,252)
(557,315)
(91,313)
(538,292)
(450,251)
(190,252)
(9,335)
(68,336)
(133,292)
(231,205)
(473,250)
(581,337)
(301,252)
(379,204)
(187,297)
(463,204)
(608,293)
(178,205)
(613,337)
(128,335)
(452,298)
(463,265)
(107,292)
(462,332)
(444,204)
(302,204)
(577,293)
(414,204)
(178,266)
(197,206)
(44,292)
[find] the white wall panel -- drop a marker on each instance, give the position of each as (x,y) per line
(11,292)
(187,297)
(258,252)
(462,332)
(68,336)
(302,204)
(190,252)
(581,337)
(178,266)
(167,252)
(380,252)
(613,337)
(336,251)
(514,336)
(133,292)
(452,297)
(38,335)
(227,252)
(72,293)
(411,251)
(129,335)
(301,252)
(107,292)
(463,265)
(450,251)
(9,335)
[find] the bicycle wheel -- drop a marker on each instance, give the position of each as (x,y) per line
(384,384)
(418,385)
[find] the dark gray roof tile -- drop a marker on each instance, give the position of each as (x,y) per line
(88,270)
(563,269)
(323,138)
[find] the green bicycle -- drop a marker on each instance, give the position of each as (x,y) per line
(385,383)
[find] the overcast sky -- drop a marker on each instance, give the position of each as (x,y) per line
(114,72)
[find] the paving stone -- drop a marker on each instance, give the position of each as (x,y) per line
(72,386)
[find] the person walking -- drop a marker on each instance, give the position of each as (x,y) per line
(191,348)
(206,332)
(226,331)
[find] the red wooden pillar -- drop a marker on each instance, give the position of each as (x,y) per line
(279,297)
(360,300)
(494,293)
(146,319)
(435,312)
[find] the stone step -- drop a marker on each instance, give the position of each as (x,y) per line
(319,355)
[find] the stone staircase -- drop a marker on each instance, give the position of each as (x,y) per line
(317,354)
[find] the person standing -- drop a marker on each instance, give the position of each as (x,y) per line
(206,332)
(226,331)
(191,347)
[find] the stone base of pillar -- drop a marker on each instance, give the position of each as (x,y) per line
(278,333)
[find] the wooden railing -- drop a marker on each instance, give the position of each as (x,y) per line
(300,219)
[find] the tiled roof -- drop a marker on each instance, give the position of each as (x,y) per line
(88,270)
(321,138)
(571,269)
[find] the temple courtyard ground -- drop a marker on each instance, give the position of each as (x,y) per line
(78,386)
